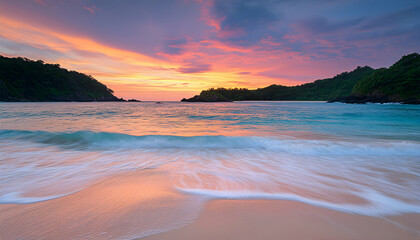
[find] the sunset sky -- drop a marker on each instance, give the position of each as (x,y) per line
(170,49)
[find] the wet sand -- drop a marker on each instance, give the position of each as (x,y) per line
(133,205)
(267,219)
(121,207)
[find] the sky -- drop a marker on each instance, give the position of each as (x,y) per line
(170,49)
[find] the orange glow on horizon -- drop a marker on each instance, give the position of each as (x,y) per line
(147,51)
(134,75)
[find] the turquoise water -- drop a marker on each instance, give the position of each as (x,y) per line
(370,121)
(360,159)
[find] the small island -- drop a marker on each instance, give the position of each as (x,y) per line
(398,83)
(25,80)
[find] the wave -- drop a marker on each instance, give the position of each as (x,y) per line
(17,198)
(106,140)
(40,165)
(378,204)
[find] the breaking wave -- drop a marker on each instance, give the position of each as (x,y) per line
(361,177)
(105,140)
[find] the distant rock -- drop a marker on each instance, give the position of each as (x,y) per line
(133,100)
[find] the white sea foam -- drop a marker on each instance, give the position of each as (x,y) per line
(382,175)
(16,197)
(112,141)
(360,159)
(378,205)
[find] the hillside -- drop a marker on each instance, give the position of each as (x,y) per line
(399,83)
(22,79)
(320,90)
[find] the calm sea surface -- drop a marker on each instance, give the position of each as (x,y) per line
(360,159)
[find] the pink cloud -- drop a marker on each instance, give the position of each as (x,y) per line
(92,9)
(40,2)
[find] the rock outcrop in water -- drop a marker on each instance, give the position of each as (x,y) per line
(399,83)
(22,79)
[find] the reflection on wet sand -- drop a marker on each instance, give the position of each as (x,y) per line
(130,205)
(273,220)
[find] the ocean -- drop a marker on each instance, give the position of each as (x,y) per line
(357,159)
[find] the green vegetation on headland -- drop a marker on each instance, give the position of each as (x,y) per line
(399,83)
(22,79)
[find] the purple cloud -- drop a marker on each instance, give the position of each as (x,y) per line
(195,68)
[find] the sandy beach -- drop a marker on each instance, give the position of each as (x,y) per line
(144,204)
(121,207)
(209,120)
(262,219)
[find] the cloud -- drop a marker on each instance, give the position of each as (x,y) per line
(195,68)
(241,14)
(175,46)
(92,9)
(40,2)
(293,78)
(244,22)
(407,16)
(321,25)
(259,42)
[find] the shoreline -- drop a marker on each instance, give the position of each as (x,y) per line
(144,205)
(122,206)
